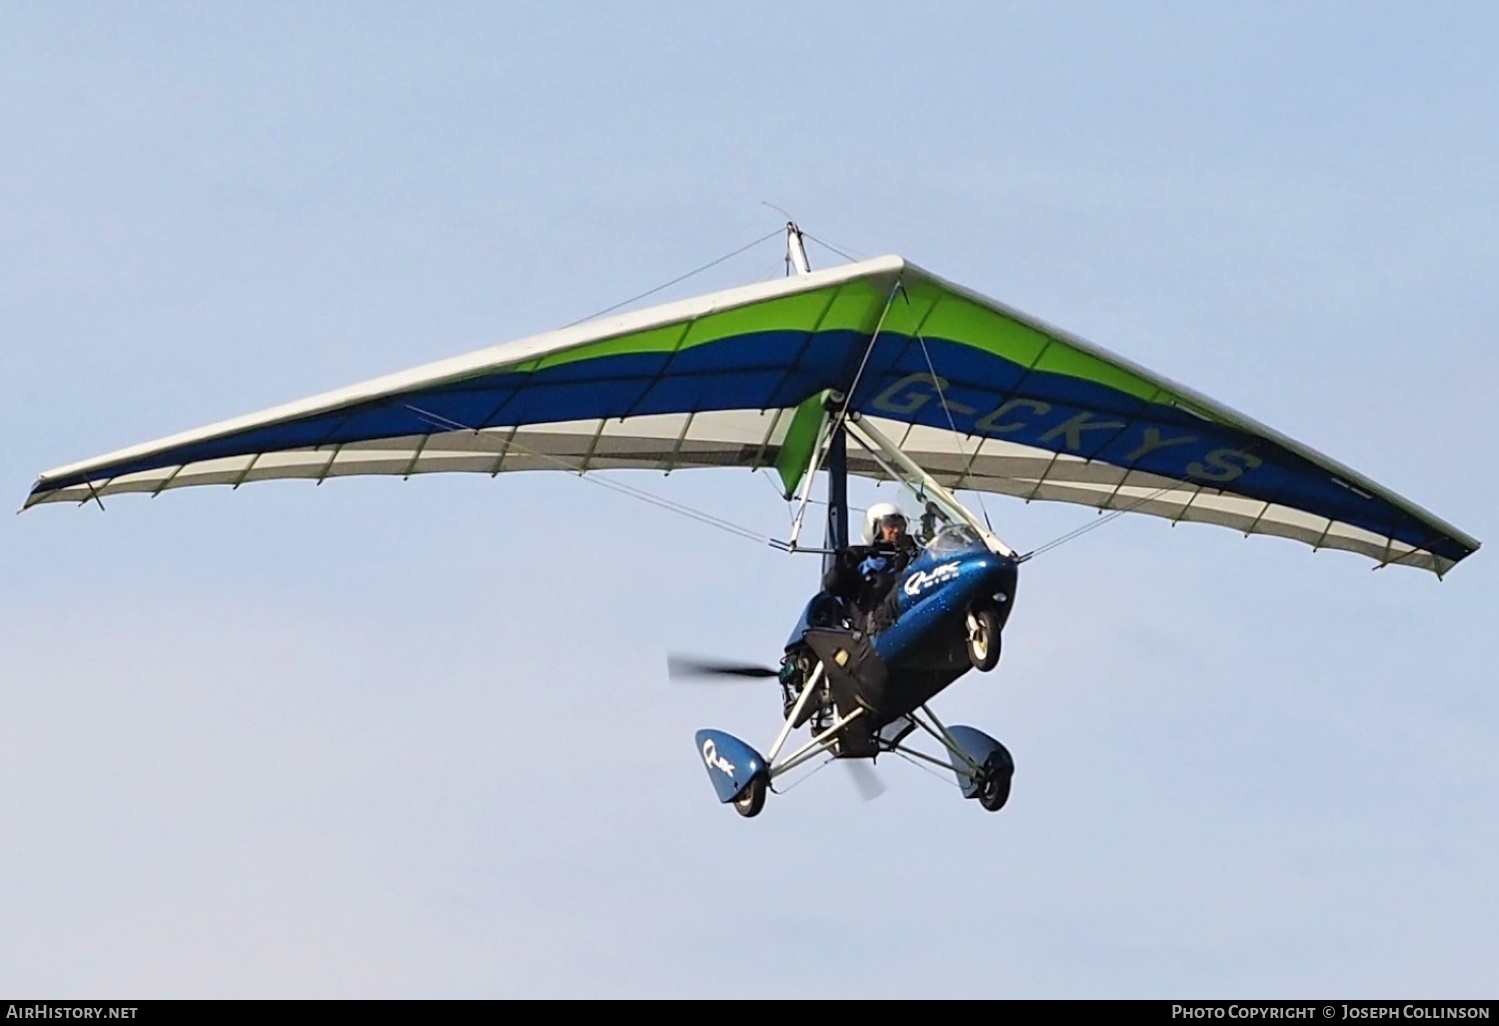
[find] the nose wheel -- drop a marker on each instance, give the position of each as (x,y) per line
(752,799)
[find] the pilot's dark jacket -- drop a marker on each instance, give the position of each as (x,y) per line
(865,577)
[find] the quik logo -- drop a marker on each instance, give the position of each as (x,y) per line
(918,583)
(716,761)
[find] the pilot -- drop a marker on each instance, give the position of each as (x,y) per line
(865,575)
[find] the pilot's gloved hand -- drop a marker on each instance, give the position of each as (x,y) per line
(874,565)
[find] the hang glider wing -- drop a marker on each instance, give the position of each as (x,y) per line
(982,396)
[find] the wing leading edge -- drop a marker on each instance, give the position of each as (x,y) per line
(984,397)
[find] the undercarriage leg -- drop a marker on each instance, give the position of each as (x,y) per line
(941,734)
(795,713)
(819,744)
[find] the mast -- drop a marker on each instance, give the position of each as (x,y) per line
(837,463)
(836,536)
(796,253)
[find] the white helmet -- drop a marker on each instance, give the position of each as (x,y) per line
(877,516)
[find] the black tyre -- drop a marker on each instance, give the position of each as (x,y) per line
(983,638)
(752,799)
(994,783)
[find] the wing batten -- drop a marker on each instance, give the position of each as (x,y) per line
(416,455)
(245,473)
(1185,512)
(816,329)
(676,448)
(686,329)
(166,482)
(328,466)
(775,422)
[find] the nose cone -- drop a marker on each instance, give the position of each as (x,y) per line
(1000,581)
(1006,579)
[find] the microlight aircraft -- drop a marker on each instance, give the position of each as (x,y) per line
(939,388)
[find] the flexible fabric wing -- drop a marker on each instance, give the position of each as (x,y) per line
(712,381)
(981,395)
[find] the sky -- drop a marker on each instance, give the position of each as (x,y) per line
(416,739)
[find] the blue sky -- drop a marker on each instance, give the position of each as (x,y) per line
(415,739)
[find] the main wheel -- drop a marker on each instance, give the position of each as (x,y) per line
(983,638)
(752,799)
(994,785)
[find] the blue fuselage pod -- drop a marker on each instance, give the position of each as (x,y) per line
(731,763)
(934,596)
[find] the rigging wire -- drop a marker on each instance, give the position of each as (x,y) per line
(671,505)
(769,480)
(825,244)
(1093,525)
(838,421)
(1119,511)
(799,781)
(869,349)
(951,423)
(926,769)
(653,499)
(651,292)
(832,248)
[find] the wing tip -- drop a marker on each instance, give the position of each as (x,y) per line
(37,495)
